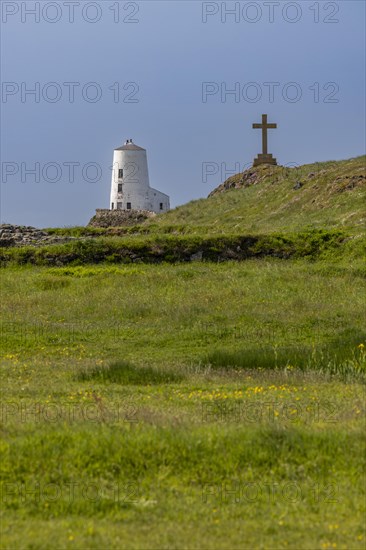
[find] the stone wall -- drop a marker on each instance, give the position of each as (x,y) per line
(118,218)
(21,235)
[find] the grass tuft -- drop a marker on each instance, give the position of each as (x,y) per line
(53,283)
(122,372)
(341,357)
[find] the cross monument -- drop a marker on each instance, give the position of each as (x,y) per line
(264,157)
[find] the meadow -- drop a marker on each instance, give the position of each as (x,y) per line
(194,381)
(184,405)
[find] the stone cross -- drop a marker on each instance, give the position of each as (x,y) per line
(264,157)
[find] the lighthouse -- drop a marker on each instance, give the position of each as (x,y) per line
(130,187)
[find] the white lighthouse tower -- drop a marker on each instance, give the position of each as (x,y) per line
(130,188)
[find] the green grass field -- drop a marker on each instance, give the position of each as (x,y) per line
(184,406)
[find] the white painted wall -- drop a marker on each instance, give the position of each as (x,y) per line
(134,186)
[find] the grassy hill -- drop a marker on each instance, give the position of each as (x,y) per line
(273,211)
(265,199)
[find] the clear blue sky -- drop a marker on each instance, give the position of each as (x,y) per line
(169,52)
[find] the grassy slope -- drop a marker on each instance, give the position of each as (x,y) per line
(273,205)
(263,216)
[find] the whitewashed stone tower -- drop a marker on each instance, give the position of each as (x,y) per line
(130,188)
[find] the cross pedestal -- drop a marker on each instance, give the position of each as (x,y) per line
(264,159)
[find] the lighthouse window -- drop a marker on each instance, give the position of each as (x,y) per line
(120,173)
(161,206)
(120,188)
(128,206)
(119,206)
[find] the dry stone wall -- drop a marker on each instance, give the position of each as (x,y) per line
(21,235)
